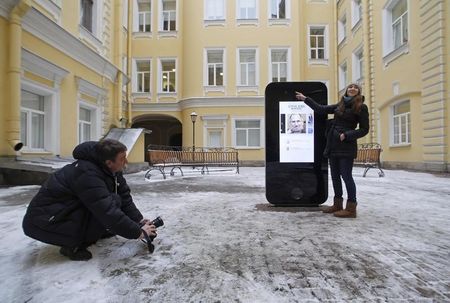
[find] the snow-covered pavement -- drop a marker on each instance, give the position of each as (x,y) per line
(222,242)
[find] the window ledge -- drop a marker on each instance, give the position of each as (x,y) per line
(90,39)
(356,26)
(167,34)
(164,94)
(247,22)
(400,145)
(247,88)
(211,88)
(141,95)
(142,35)
(248,147)
(318,62)
(401,50)
(217,22)
(35,152)
(342,43)
(274,21)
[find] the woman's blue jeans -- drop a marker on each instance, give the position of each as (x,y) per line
(342,167)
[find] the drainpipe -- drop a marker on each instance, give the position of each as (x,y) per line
(14,74)
(118,61)
(128,71)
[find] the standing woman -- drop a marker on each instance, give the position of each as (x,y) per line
(341,147)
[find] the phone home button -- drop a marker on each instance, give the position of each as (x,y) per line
(297,193)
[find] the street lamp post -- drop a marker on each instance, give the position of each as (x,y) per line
(193,119)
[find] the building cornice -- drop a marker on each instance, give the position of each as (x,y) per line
(6,6)
(41,67)
(48,31)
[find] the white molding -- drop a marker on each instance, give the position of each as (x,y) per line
(48,31)
(214,117)
(52,8)
(90,89)
(6,6)
(91,39)
(41,67)
(200,102)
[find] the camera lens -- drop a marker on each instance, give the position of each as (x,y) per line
(158,222)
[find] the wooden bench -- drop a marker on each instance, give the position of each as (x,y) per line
(369,157)
(162,159)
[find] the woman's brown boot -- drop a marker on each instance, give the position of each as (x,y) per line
(337,205)
(348,212)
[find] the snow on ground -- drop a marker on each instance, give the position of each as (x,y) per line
(222,242)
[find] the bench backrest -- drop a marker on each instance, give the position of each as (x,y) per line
(194,157)
(368,153)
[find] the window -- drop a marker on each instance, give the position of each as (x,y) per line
(168,75)
(144,15)
(84,125)
(246,9)
(142,76)
(87,13)
(247,67)
(168,15)
(317,43)
(356,12)
(214,66)
(279,64)
(247,133)
(395,28)
(342,76)
(400,23)
(401,123)
(342,24)
(278,9)
(214,9)
(358,65)
(32,120)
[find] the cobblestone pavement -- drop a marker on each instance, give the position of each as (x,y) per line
(222,242)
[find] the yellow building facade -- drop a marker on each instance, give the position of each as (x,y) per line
(71,70)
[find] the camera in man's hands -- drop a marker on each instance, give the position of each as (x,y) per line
(158,222)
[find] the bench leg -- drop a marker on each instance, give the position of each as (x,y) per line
(381,172)
(148,175)
(366,170)
(173,173)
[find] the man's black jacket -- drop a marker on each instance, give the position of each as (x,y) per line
(74,196)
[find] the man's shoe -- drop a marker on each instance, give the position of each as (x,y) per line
(76,254)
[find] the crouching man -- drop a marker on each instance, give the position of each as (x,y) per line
(85,201)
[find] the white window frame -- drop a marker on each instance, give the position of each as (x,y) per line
(390,53)
(218,122)
(94,36)
(51,120)
(211,17)
(137,13)
(343,75)
(125,14)
(238,11)
(326,44)
(287,9)
(342,29)
(234,132)
(135,73)
(95,120)
(161,17)
(206,69)
(288,62)
(356,9)
(238,67)
(161,75)
(396,119)
(358,65)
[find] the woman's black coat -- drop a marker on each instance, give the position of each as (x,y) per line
(345,123)
(79,197)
